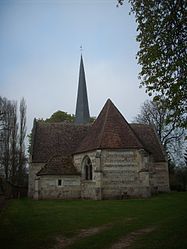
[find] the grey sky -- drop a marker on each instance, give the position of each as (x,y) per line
(40,55)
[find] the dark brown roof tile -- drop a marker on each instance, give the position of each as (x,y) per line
(56,138)
(110,131)
(59,165)
(150,140)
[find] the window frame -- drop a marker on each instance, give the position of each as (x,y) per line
(59,182)
(87,169)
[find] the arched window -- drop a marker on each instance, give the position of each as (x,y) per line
(87,167)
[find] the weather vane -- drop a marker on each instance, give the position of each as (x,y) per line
(81,49)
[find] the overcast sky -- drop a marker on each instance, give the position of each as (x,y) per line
(40,55)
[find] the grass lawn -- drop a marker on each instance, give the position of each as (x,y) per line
(29,224)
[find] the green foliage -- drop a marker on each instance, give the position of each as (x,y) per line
(92,119)
(162,34)
(37,224)
(60,116)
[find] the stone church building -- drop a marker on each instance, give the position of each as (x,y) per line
(107,159)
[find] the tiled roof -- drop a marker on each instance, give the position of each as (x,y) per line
(110,131)
(56,138)
(55,143)
(58,165)
(150,141)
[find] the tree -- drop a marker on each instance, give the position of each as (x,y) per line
(172,137)
(13,145)
(92,119)
(185,157)
(12,136)
(162,34)
(60,116)
(6,127)
(22,133)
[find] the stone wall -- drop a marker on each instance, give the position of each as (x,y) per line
(116,174)
(78,159)
(33,169)
(161,176)
(124,174)
(88,190)
(49,187)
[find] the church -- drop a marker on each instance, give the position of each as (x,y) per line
(106,159)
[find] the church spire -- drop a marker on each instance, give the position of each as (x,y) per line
(82,115)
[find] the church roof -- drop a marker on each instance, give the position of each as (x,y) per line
(55,138)
(55,143)
(82,115)
(59,165)
(110,131)
(150,140)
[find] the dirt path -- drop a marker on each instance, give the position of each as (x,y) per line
(123,243)
(64,242)
(127,240)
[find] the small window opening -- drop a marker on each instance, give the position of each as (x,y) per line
(59,182)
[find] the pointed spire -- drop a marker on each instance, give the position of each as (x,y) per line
(82,115)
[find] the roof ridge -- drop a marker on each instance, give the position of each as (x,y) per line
(128,124)
(147,134)
(105,120)
(159,141)
(110,130)
(138,137)
(135,134)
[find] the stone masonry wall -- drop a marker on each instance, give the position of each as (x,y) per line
(116,173)
(87,186)
(33,169)
(124,174)
(49,187)
(161,176)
